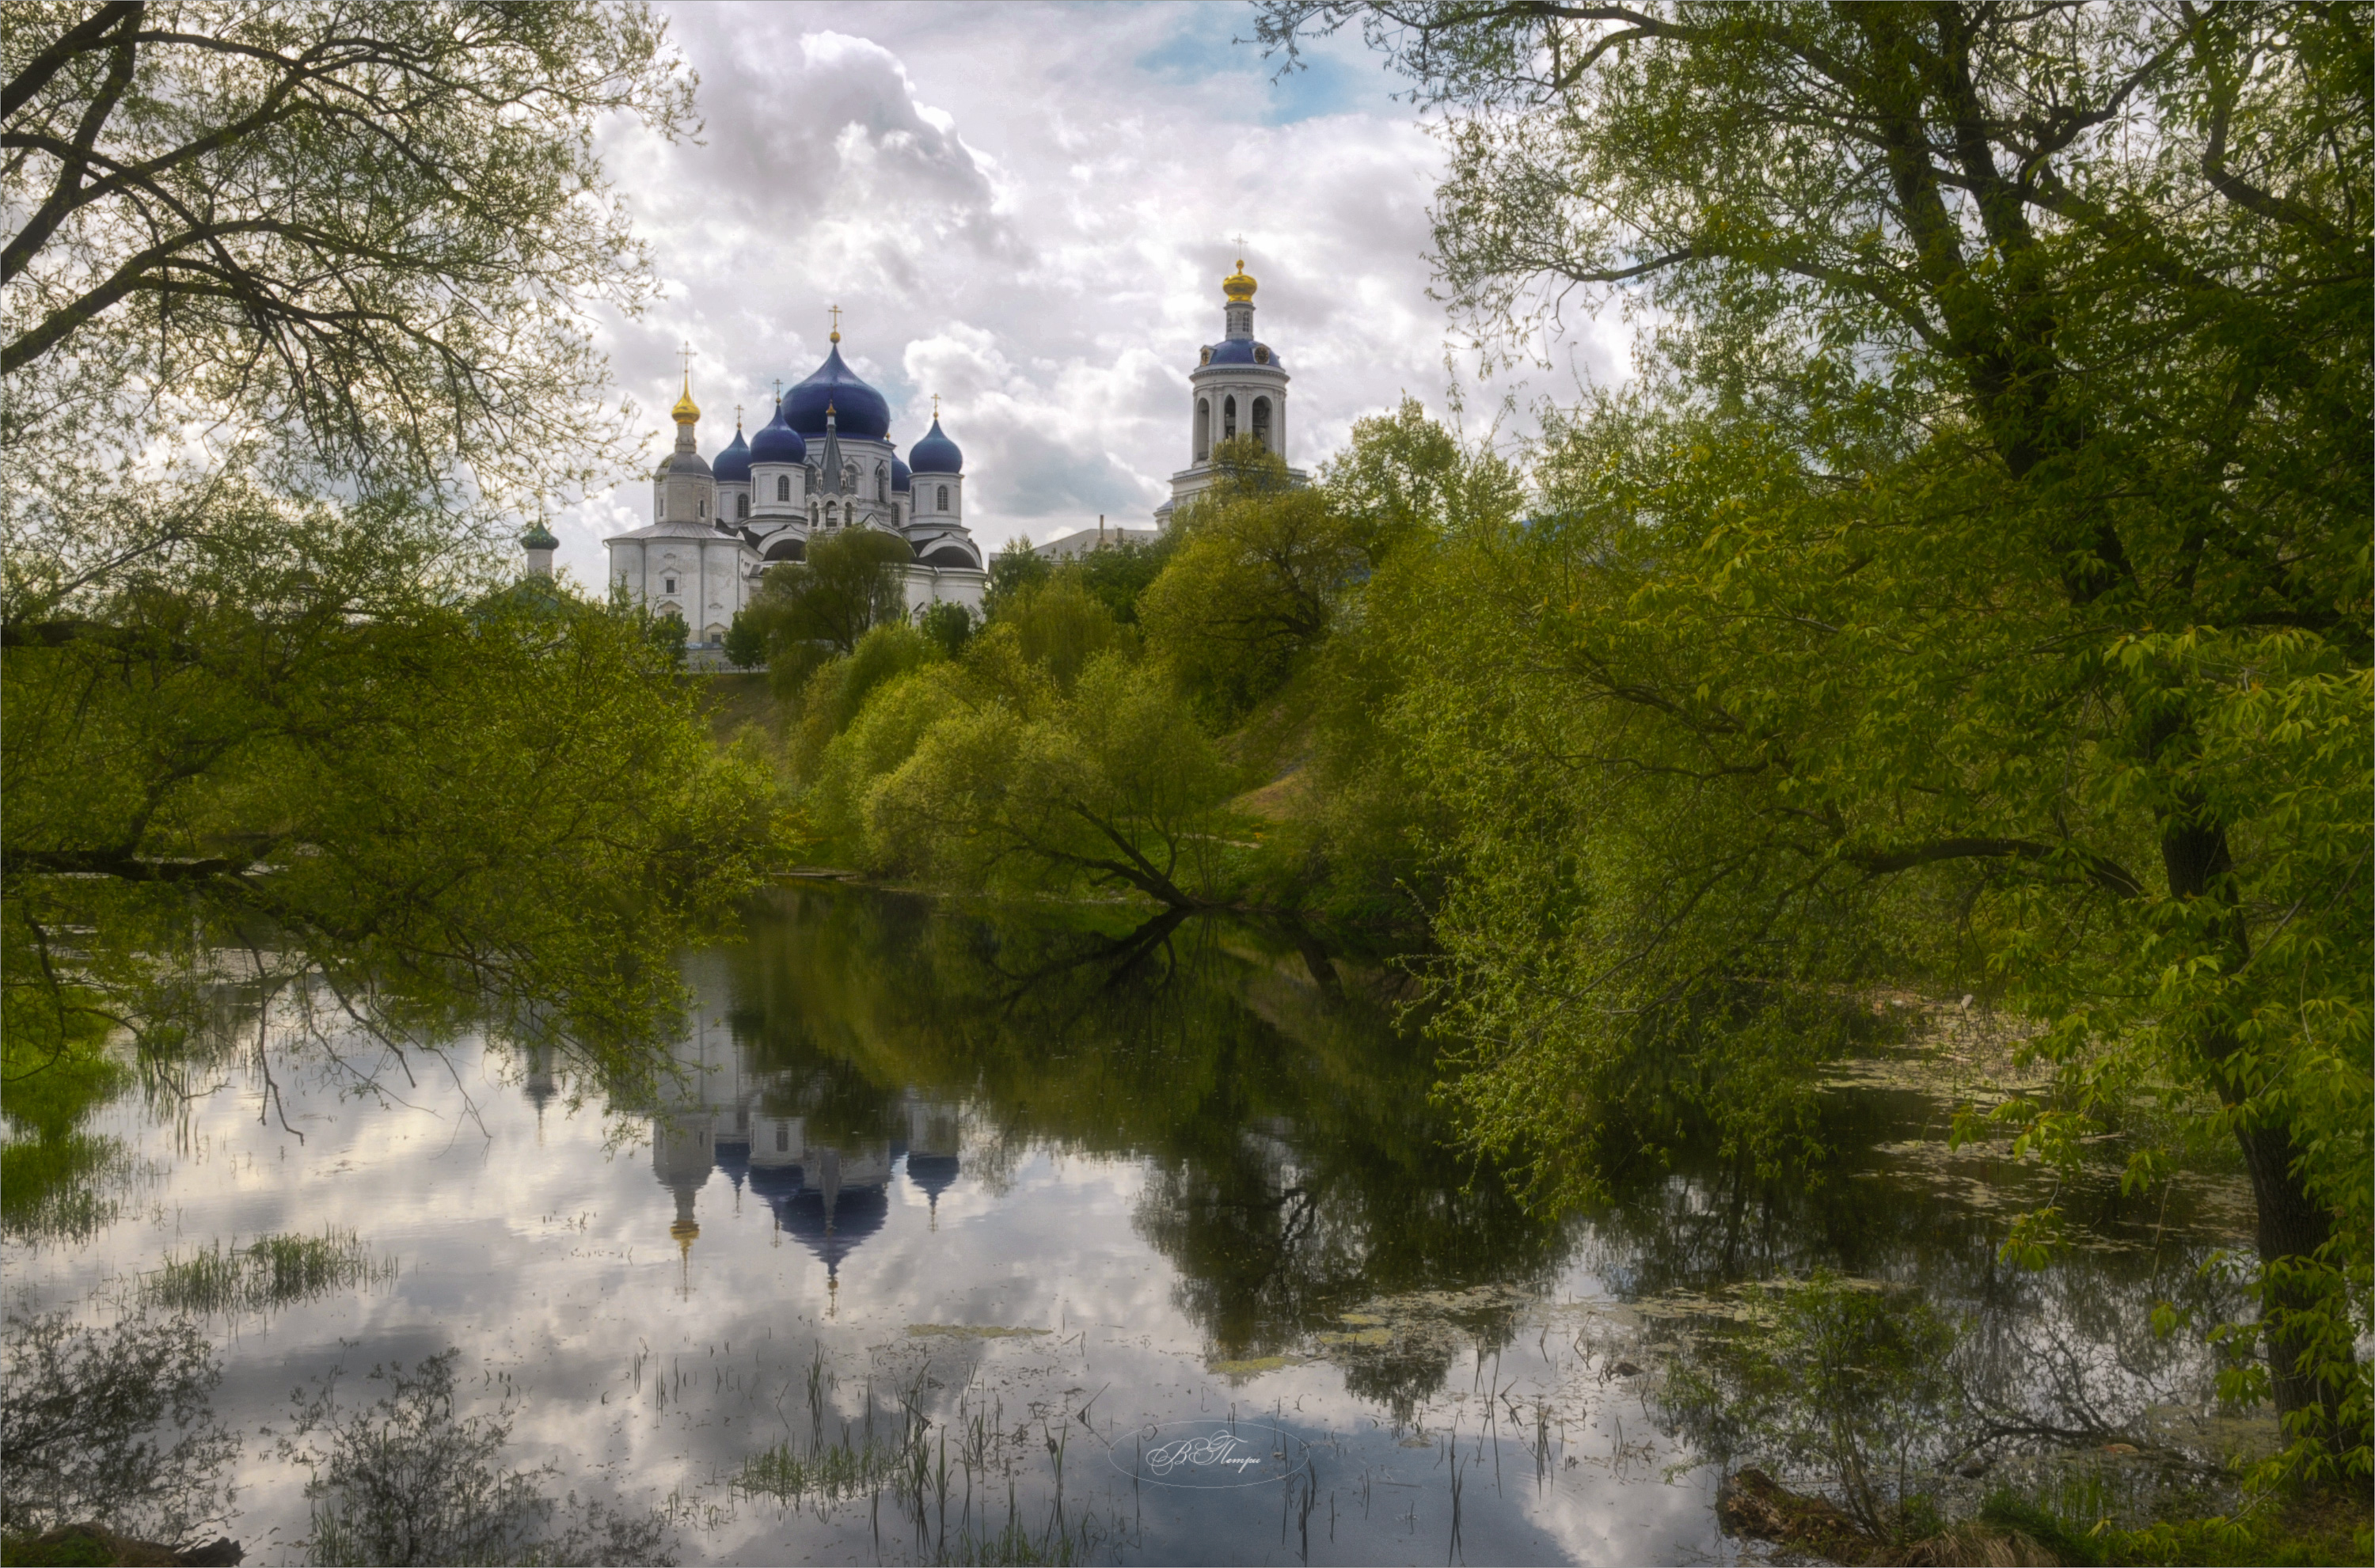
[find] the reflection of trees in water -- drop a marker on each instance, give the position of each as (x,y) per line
(1296,1165)
(1297,1169)
(2068,1349)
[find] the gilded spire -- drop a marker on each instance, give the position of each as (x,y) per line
(1238,286)
(686,410)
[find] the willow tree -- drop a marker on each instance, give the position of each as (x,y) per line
(298,322)
(1993,521)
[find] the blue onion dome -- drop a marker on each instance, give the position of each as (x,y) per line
(859,409)
(936,454)
(1242,351)
(901,478)
(933,1172)
(733,465)
(776,443)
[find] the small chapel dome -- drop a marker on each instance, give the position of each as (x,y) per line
(777,442)
(733,465)
(1239,285)
(936,454)
(688,463)
(901,478)
(860,410)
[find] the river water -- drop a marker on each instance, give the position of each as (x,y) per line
(1148,1246)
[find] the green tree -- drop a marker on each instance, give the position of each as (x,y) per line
(298,316)
(808,609)
(839,689)
(948,624)
(1997,544)
(421,326)
(1113,785)
(1117,575)
(1012,570)
(1362,842)
(512,803)
(1254,583)
(746,643)
(1058,625)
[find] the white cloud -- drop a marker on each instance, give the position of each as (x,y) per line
(1027,209)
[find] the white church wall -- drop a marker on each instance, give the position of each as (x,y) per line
(627,567)
(928,585)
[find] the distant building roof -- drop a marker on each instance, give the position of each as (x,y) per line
(1081,541)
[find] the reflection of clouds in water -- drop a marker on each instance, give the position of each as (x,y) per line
(865,1144)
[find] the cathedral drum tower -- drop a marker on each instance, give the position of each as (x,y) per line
(1238,388)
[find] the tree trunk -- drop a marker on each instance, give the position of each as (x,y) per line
(2292,1224)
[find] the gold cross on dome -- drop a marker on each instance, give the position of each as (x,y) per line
(685,354)
(738,415)
(936,407)
(837,322)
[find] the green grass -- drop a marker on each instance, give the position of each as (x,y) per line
(55,1189)
(60,1549)
(826,1474)
(271,1272)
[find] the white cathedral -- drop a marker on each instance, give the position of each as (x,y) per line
(826,463)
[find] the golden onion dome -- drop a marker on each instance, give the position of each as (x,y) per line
(686,410)
(1238,286)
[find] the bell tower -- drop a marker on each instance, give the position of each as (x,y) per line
(1236,391)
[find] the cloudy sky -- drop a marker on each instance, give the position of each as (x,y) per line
(1027,209)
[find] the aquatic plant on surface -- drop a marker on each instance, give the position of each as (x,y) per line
(272,1271)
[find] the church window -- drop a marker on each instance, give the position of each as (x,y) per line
(944,497)
(1203,428)
(783,1138)
(741,506)
(783,486)
(1261,353)
(832,515)
(1261,421)
(701,506)
(668,585)
(881,482)
(1228,418)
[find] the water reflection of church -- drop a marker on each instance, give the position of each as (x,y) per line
(821,1156)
